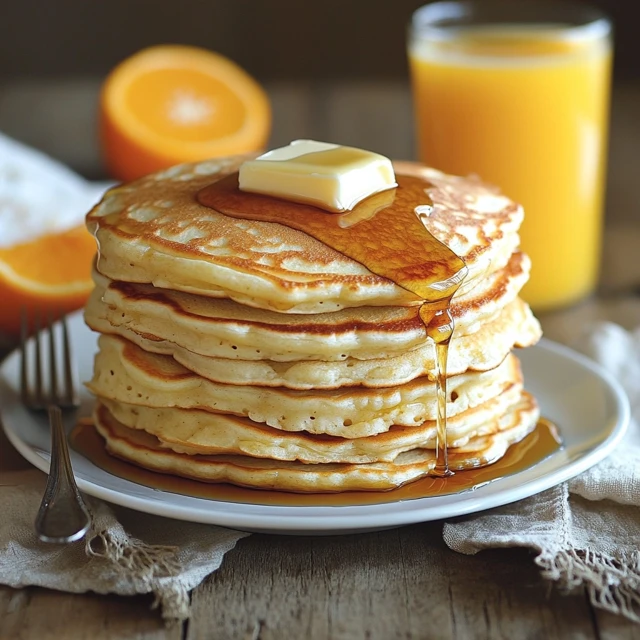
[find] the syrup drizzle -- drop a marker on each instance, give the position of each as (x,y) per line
(386,234)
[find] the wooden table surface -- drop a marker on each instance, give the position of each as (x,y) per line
(401,583)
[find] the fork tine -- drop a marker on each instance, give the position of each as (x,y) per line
(53,373)
(24,379)
(39,399)
(71,396)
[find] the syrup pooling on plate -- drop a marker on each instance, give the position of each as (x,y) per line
(386,234)
(534,448)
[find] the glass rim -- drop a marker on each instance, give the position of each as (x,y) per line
(443,20)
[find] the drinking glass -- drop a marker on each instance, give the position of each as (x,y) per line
(517,92)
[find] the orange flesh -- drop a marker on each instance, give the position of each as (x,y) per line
(52,273)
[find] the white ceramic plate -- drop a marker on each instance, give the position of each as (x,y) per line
(588,405)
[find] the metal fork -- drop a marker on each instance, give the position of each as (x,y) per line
(63,516)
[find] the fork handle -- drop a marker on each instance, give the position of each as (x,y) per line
(63,516)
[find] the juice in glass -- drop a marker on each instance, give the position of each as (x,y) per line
(525,106)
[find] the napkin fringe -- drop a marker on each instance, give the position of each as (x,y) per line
(612,584)
(149,564)
(174,602)
(134,556)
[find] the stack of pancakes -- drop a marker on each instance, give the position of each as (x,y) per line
(248,352)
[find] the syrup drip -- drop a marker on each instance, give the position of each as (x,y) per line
(440,330)
(537,446)
(386,234)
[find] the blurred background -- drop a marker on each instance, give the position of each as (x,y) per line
(273,39)
(334,70)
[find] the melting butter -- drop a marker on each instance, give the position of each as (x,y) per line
(329,176)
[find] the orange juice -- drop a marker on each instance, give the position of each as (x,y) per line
(526,108)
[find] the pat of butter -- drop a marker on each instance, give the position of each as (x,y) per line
(329,176)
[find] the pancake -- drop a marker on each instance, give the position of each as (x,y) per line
(194,431)
(482,351)
(126,373)
(226,329)
(155,231)
(144,450)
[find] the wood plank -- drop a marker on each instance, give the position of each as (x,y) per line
(500,594)
(614,627)
(39,614)
(402,583)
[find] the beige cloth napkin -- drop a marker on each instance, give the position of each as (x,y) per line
(126,552)
(586,532)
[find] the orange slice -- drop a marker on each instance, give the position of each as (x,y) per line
(52,273)
(171,104)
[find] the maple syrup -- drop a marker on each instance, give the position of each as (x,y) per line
(386,234)
(538,445)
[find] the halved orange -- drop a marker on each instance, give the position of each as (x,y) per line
(170,104)
(51,273)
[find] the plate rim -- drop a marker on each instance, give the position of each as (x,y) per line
(311,519)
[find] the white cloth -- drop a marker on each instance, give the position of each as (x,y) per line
(586,532)
(38,195)
(125,552)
